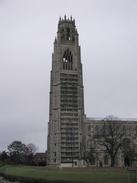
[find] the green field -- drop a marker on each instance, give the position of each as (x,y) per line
(78,175)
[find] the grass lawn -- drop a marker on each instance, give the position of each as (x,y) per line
(78,175)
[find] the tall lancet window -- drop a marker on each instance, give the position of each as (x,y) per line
(67,60)
(68,34)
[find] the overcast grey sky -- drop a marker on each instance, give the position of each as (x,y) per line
(108,39)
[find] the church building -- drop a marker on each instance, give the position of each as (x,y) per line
(70,133)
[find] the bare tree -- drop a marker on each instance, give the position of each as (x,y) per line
(111,136)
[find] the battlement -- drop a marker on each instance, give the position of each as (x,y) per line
(66,20)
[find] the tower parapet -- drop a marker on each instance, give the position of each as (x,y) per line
(67,32)
(66,20)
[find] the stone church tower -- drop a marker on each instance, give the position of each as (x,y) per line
(66,97)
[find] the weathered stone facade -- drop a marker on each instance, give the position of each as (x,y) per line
(66,97)
(91,130)
(70,133)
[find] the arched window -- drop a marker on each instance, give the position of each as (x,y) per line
(68,34)
(92,160)
(105,160)
(62,34)
(67,60)
(88,143)
(89,128)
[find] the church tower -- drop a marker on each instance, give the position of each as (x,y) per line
(66,97)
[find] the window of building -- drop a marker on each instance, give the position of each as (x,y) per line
(92,161)
(105,160)
(67,60)
(68,34)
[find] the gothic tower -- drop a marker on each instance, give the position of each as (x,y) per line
(66,97)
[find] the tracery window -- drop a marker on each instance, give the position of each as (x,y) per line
(67,60)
